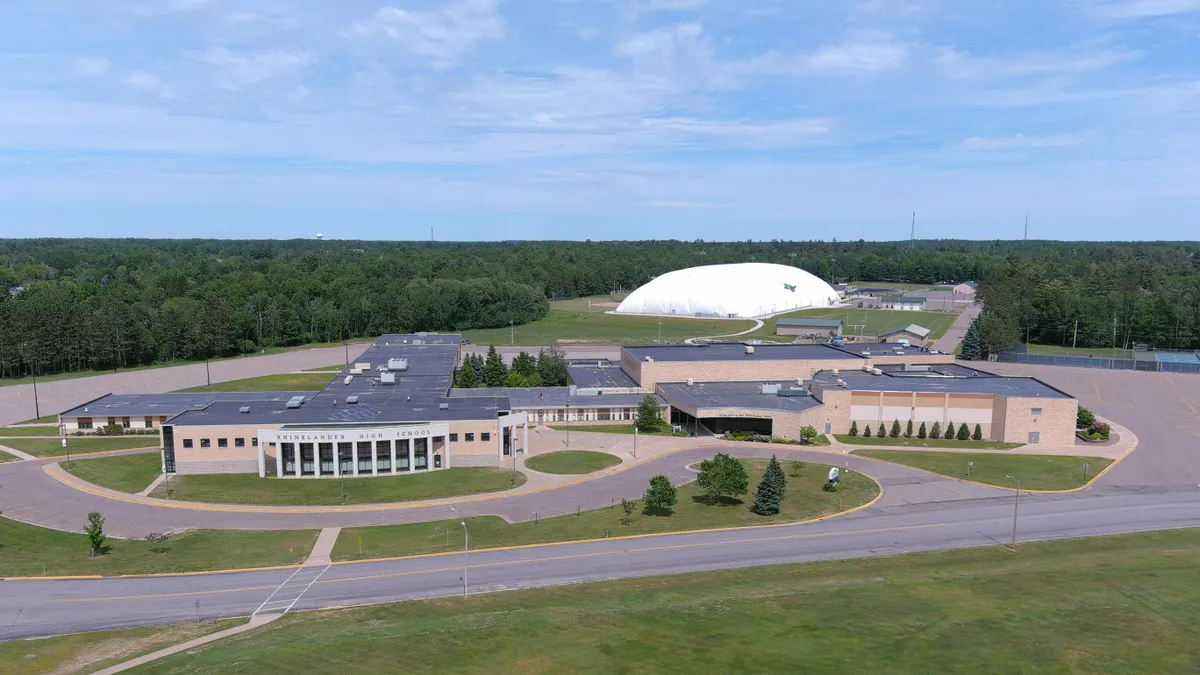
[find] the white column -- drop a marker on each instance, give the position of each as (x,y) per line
(392,447)
(410,456)
(446,459)
(337,460)
(354,457)
(525,437)
(262,461)
(278,458)
(374,459)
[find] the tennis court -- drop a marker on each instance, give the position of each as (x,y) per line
(1176,357)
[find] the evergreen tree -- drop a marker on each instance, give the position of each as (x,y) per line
(768,497)
(866,431)
(921,431)
(466,376)
(949,431)
(972,346)
(908,430)
(524,364)
(882,431)
(978,435)
(660,497)
(895,429)
(722,476)
(964,433)
(649,415)
(552,366)
(477,364)
(494,370)
(853,428)
(936,430)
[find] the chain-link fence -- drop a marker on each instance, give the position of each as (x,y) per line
(1101,363)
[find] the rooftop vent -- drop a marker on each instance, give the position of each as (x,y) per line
(348,378)
(351,400)
(387,378)
(443,406)
(397,364)
(770,389)
(690,382)
(799,381)
(649,359)
(835,371)
(244,409)
(749,349)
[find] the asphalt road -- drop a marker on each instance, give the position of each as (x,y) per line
(37,608)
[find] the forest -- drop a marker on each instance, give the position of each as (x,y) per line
(90,304)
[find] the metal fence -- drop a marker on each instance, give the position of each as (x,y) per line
(1101,363)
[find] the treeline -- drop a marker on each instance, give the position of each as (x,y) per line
(1127,294)
(104,303)
(547,369)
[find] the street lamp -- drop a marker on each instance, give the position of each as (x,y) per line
(1016,504)
(568,424)
(635,434)
(512,334)
(37,412)
(466,548)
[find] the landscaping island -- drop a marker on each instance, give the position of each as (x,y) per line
(572,461)
(1036,472)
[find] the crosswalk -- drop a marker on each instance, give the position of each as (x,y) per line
(283,598)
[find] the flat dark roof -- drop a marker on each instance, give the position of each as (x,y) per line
(608,376)
(533,398)
(431,361)
(875,349)
(169,404)
(324,412)
(744,395)
(732,351)
(957,380)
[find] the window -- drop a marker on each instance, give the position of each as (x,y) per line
(453,438)
(124,422)
(222,442)
(85,423)
(187,443)
(1036,412)
(204,443)
(470,438)
(254,441)
(239,442)
(149,422)
(485,436)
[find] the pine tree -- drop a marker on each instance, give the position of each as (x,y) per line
(936,431)
(921,431)
(477,364)
(768,497)
(964,433)
(972,346)
(494,370)
(882,431)
(908,430)
(949,431)
(466,376)
(895,428)
(866,431)
(853,428)
(978,435)
(524,365)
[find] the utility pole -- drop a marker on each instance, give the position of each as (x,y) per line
(912,233)
(1016,505)
(466,549)
(660,330)
(1075,339)
(512,334)
(1026,227)
(346,345)
(37,412)
(1114,330)
(207,375)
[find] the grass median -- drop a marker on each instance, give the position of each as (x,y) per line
(924,442)
(280,382)
(1120,604)
(29,431)
(52,447)
(804,499)
(126,473)
(27,550)
(271,491)
(1036,472)
(572,461)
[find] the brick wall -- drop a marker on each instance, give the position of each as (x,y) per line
(1056,423)
(748,370)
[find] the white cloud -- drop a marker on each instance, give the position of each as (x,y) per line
(673,204)
(587,33)
(238,70)
(663,45)
(1135,9)
(442,34)
(856,57)
(1017,141)
(148,82)
(745,133)
(962,64)
(89,65)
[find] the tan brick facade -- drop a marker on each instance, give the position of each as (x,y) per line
(651,373)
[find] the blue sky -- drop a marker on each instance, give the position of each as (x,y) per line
(602,119)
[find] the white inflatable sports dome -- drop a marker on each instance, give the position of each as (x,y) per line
(738,290)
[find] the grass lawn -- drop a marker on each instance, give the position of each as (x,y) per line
(5,457)
(875,321)
(280,382)
(88,652)
(1123,604)
(576,326)
(898,285)
(44,419)
(804,499)
(582,304)
(1098,352)
(609,429)
(127,473)
(1036,472)
(52,447)
(29,431)
(572,461)
(250,489)
(26,550)
(924,442)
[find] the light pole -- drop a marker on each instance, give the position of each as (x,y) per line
(635,434)
(37,411)
(64,444)
(512,334)
(207,375)
(1016,505)
(466,549)
(568,421)
(346,346)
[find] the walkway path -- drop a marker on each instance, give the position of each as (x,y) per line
(16,453)
(757,324)
(255,621)
(958,330)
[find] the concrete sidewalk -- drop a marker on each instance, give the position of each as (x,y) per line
(255,622)
(17,453)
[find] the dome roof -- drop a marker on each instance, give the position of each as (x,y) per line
(741,289)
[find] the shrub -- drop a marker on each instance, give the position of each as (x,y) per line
(808,434)
(1100,430)
(854,428)
(679,434)
(867,431)
(908,430)
(95,533)
(949,431)
(1084,419)
(157,541)
(895,429)
(964,434)
(882,431)
(936,430)
(830,487)
(978,435)
(921,432)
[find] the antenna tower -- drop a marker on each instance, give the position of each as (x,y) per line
(912,233)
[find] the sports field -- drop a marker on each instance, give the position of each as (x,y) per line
(598,327)
(867,321)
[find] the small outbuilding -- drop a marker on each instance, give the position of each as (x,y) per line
(965,288)
(806,326)
(911,303)
(916,335)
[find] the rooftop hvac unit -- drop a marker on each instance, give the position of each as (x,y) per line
(835,371)
(793,391)
(876,371)
(397,364)
(649,359)
(361,366)
(770,389)
(799,381)
(387,378)
(749,349)
(690,382)
(294,403)
(348,378)
(244,409)
(351,400)
(443,406)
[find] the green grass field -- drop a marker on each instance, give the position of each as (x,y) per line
(44,419)
(902,286)
(1097,352)
(582,304)
(52,447)
(804,499)
(582,326)
(281,382)
(873,321)
(1036,472)
(923,442)
(84,653)
(26,550)
(1106,605)
(250,489)
(5,457)
(29,431)
(127,473)
(572,461)
(626,429)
